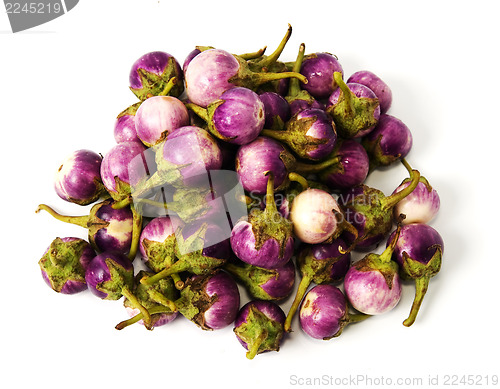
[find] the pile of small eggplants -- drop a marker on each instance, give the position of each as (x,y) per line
(302,139)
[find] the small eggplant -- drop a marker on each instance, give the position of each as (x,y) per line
(264,284)
(310,134)
(152,74)
(259,327)
(265,238)
(321,264)
(324,312)
(109,276)
(354,108)
(377,85)
(277,110)
(78,179)
(418,252)
(372,284)
(319,68)
(64,263)
(390,141)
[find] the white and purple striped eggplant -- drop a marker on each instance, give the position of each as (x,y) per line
(78,179)
(64,263)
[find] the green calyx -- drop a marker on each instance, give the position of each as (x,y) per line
(121,279)
(194,301)
(319,271)
(130,110)
(159,84)
(295,136)
(352,114)
(190,258)
(372,262)
(268,223)
(259,332)
(295,92)
(376,154)
(159,254)
(61,262)
(162,293)
(207,115)
(253,277)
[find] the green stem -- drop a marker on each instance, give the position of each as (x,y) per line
(387,253)
(179,284)
(170,84)
(273,57)
(357,317)
(136,232)
(254,55)
(200,111)
(77,220)
(390,201)
(262,78)
(300,179)
(136,304)
(421,285)
(348,97)
(270,203)
(307,168)
(159,298)
(301,291)
(253,351)
(177,267)
(294,86)
(122,203)
(235,270)
(276,134)
(140,316)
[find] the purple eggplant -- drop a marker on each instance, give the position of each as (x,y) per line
(152,74)
(211,301)
(264,284)
(236,117)
(123,167)
(255,159)
(354,108)
(310,134)
(318,68)
(157,117)
(259,327)
(78,179)
(321,264)
(183,160)
(109,229)
(298,98)
(124,130)
(352,168)
(277,110)
(157,245)
(265,238)
(390,141)
(63,264)
(371,212)
(214,71)
(376,84)
(372,284)
(317,217)
(418,252)
(109,276)
(324,313)
(157,299)
(421,205)
(200,248)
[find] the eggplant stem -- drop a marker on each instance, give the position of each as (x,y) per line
(390,201)
(253,351)
(306,168)
(200,111)
(136,232)
(294,86)
(296,177)
(81,221)
(346,92)
(421,285)
(170,84)
(177,267)
(273,57)
(136,304)
(301,291)
(140,316)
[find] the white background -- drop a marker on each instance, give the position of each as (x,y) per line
(62,85)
